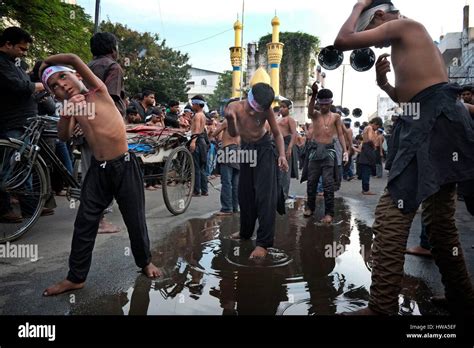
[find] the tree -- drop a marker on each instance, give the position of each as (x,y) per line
(222,92)
(56,27)
(296,63)
(150,64)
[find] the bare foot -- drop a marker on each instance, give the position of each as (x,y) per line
(327,219)
(368,193)
(106,227)
(258,253)
(62,287)
(235,236)
(365,311)
(151,271)
(419,251)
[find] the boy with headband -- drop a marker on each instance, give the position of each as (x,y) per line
(114,172)
(321,158)
(433,149)
(258,188)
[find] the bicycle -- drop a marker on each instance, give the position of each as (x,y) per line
(25,183)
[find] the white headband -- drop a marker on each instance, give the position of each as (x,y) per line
(367,16)
(50,71)
(253,103)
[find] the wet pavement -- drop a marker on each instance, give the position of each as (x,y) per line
(313,269)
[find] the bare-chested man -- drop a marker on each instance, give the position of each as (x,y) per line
(258,189)
(348,173)
(367,155)
(421,163)
(199,146)
(379,141)
(229,170)
(287,125)
(321,152)
(114,172)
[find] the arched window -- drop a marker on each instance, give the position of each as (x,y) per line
(203,82)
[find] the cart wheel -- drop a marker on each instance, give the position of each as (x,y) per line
(178,180)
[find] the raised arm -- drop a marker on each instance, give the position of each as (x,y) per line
(349,39)
(91,80)
(312,101)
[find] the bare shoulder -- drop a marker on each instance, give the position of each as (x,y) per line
(405,26)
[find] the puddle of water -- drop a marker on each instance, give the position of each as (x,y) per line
(313,269)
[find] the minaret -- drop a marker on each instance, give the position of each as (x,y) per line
(275,54)
(236,59)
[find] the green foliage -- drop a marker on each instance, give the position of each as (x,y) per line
(223,90)
(56,27)
(158,67)
(296,59)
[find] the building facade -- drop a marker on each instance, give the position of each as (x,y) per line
(201,81)
(458,53)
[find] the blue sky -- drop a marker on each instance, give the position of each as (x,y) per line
(181,22)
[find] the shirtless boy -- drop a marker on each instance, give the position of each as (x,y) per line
(321,152)
(422,169)
(114,172)
(258,190)
(287,125)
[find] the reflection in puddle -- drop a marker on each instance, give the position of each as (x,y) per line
(313,269)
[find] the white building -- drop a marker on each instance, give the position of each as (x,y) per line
(458,53)
(203,82)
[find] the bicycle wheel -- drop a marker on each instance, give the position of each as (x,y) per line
(178,180)
(20,196)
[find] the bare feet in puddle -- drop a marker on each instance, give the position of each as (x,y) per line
(151,271)
(327,219)
(62,287)
(258,253)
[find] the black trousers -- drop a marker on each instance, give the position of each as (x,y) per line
(121,179)
(315,170)
(258,193)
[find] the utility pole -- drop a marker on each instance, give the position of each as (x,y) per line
(96,22)
(343,77)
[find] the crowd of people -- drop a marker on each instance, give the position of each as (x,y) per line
(417,152)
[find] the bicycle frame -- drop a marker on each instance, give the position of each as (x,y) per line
(39,150)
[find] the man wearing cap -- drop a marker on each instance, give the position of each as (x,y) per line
(259,193)
(426,161)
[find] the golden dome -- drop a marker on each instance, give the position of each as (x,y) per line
(238,25)
(275,21)
(260,75)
